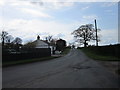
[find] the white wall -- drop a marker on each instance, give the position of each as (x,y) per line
(42,44)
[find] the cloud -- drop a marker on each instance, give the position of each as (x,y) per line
(109,4)
(56,3)
(20,3)
(40,3)
(29,29)
(84,8)
(53,4)
(108,10)
(35,13)
(63,4)
(60,35)
(90,17)
(109,37)
(79,0)
(3,2)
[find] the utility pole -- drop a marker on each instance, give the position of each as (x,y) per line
(96,33)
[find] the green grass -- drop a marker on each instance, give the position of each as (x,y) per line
(4,64)
(95,56)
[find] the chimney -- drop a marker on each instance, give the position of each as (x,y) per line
(38,37)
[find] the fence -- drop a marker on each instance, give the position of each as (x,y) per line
(26,53)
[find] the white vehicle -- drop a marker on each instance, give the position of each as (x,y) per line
(57,52)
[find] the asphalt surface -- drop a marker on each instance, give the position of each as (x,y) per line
(75,70)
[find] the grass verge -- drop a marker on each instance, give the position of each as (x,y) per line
(5,64)
(95,56)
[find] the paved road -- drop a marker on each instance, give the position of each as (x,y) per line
(74,70)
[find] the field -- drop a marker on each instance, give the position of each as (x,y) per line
(108,53)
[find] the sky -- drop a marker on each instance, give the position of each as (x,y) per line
(28,18)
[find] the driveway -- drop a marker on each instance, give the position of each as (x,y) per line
(75,70)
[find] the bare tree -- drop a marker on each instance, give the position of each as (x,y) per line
(17,41)
(53,41)
(9,39)
(4,37)
(84,34)
(49,38)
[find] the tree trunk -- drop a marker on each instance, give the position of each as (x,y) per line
(84,40)
(85,44)
(3,43)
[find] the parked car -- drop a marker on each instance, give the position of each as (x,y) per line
(57,52)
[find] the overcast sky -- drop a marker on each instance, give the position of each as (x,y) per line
(28,18)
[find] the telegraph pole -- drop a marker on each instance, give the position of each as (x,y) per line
(96,33)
